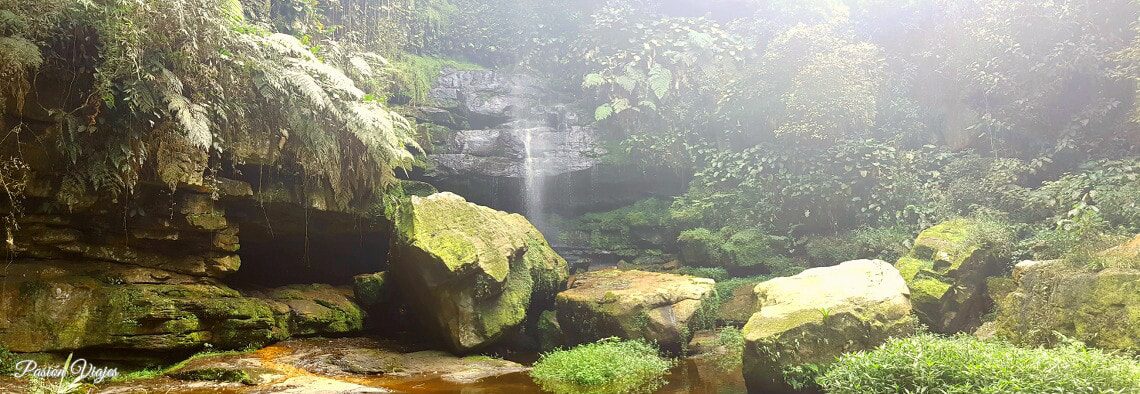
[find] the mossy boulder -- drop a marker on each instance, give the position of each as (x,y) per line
(369,289)
(472,273)
(737,307)
(809,319)
(1098,307)
(661,308)
(947,269)
(317,309)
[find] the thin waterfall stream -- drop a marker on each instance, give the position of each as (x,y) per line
(532,181)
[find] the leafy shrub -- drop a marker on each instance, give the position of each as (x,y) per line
(1077,238)
(416,74)
(1111,186)
(744,250)
(733,342)
(607,366)
(884,243)
(963,364)
(7,361)
(645,224)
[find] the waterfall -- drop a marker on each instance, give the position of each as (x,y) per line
(532,182)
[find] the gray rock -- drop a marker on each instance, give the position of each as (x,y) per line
(510,115)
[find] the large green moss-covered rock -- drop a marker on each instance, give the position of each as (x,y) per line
(1098,307)
(472,273)
(946,271)
(661,308)
(811,318)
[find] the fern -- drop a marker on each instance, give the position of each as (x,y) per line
(18,58)
(660,78)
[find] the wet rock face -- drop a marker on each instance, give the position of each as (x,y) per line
(151,276)
(68,305)
(946,271)
(820,314)
(1099,308)
(661,308)
(474,273)
(187,234)
(495,116)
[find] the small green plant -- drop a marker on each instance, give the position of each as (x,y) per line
(607,366)
(929,363)
(7,361)
(67,384)
(733,342)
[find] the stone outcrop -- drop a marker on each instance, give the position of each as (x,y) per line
(474,273)
(68,305)
(661,308)
(819,314)
(495,117)
(946,271)
(736,307)
(1100,307)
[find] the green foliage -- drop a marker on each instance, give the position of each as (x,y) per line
(962,364)
(7,361)
(853,184)
(732,340)
(645,224)
(606,366)
(195,80)
(884,243)
(813,83)
(735,250)
(416,74)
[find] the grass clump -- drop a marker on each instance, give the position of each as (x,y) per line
(932,364)
(607,366)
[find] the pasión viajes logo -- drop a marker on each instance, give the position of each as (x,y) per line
(76,370)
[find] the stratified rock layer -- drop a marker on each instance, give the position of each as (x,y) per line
(63,306)
(661,308)
(819,314)
(472,273)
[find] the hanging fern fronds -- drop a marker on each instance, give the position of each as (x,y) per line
(227,86)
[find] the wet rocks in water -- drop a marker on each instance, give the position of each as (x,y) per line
(303,363)
(946,271)
(815,316)
(473,273)
(1093,305)
(661,308)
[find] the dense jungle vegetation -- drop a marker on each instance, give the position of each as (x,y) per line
(808,132)
(806,126)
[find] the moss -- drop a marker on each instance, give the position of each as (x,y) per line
(369,289)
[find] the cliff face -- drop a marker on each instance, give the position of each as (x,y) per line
(491,130)
(164,272)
